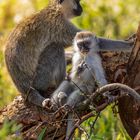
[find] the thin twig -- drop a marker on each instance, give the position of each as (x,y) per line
(93,124)
(78,124)
(58,127)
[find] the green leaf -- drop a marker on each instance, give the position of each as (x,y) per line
(42,134)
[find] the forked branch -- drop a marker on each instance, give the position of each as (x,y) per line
(127,91)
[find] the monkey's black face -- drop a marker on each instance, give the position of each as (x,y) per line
(84,46)
(78,10)
(71,8)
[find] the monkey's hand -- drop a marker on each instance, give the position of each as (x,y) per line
(47,103)
(81,67)
(132,39)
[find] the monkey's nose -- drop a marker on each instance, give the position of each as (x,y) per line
(85,50)
(78,11)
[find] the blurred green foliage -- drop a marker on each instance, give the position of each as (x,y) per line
(107,127)
(10,130)
(109,18)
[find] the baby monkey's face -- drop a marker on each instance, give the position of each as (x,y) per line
(85,42)
(84,46)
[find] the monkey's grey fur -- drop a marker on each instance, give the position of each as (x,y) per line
(34,52)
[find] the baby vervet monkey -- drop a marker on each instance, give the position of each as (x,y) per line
(86,47)
(87,72)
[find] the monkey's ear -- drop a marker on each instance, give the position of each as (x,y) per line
(60,1)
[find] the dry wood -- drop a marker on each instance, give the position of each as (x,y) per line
(129,110)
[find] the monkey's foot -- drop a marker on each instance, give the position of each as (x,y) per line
(62,97)
(47,103)
(132,39)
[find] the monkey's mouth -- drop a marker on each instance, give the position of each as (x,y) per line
(84,50)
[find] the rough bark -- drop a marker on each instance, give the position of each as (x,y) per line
(129,110)
(33,120)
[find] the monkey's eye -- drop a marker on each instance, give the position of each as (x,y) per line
(80,45)
(87,43)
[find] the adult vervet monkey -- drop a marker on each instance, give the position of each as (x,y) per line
(34,52)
